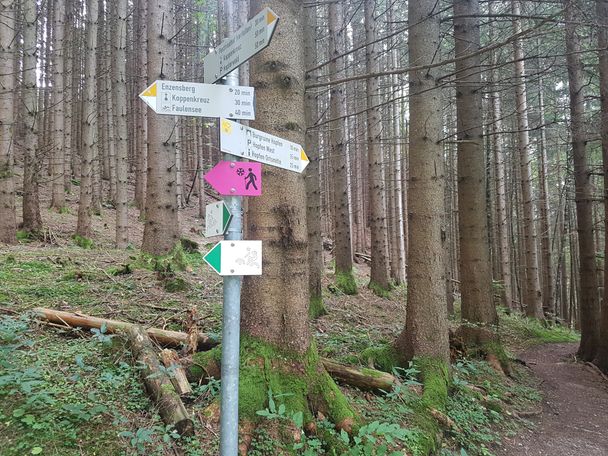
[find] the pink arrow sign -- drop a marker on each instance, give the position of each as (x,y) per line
(230,178)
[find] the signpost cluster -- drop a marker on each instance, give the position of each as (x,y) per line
(233,257)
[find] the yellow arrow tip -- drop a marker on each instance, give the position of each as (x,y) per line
(150,91)
(226,126)
(303,155)
(270,17)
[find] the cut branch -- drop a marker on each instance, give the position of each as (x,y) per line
(162,336)
(170,406)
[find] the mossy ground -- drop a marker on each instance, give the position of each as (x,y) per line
(346,283)
(125,285)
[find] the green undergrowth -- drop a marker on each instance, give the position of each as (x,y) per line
(379,290)
(71,278)
(521,332)
(63,393)
(58,393)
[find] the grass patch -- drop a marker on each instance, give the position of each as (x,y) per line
(521,331)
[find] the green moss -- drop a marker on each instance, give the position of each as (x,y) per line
(294,380)
(316,307)
(201,360)
(266,369)
(379,290)
(83,242)
(384,358)
(345,281)
(435,377)
(434,374)
(175,284)
(497,349)
(24,236)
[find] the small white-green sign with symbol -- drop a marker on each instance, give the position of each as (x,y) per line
(236,258)
(217,219)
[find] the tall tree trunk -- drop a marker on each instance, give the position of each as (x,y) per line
(275,305)
(379,276)
(161,231)
(8,224)
(601,358)
(142,152)
(85,208)
(502,221)
(338,156)
(313,190)
(120,93)
(58,168)
(545,235)
(32,221)
(475,266)
(425,334)
(589,305)
(534,305)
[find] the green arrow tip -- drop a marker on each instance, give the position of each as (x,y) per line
(214,257)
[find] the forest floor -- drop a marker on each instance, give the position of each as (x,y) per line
(66,392)
(574,419)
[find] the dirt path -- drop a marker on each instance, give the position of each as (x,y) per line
(574,421)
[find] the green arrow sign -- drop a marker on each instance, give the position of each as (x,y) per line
(214,257)
(217,219)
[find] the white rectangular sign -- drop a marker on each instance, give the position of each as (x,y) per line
(242,141)
(176,98)
(236,258)
(244,44)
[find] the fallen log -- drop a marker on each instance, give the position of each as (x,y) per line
(170,406)
(162,336)
(365,379)
(178,374)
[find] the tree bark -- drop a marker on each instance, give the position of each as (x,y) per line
(8,223)
(425,333)
(534,307)
(589,305)
(161,231)
(475,266)
(379,275)
(274,320)
(120,93)
(58,168)
(316,268)
(178,377)
(158,384)
(83,227)
(338,156)
(545,228)
(163,337)
(601,358)
(32,220)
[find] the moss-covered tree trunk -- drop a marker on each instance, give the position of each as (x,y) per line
(277,353)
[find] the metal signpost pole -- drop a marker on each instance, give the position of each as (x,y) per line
(231,330)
